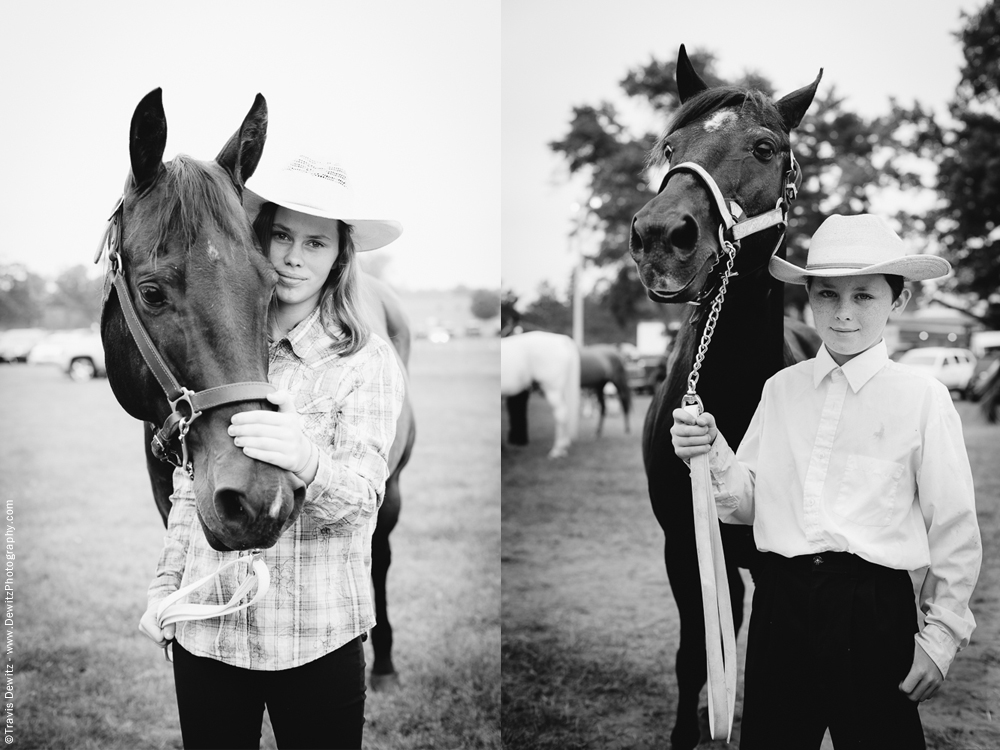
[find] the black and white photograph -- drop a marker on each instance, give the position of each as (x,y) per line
(501,374)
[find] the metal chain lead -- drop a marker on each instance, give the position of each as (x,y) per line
(713,318)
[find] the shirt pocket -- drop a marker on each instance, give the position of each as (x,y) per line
(317,414)
(868,491)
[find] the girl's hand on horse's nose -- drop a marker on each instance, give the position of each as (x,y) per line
(276,437)
(149,628)
(692,436)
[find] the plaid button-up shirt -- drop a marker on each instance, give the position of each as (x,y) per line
(320,596)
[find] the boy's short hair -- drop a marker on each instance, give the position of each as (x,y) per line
(895,282)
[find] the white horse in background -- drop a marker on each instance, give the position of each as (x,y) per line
(552,361)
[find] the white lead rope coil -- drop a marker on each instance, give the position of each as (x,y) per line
(720,636)
(172,610)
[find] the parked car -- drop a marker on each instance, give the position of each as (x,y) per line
(79,353)
(953,367)
(15,343)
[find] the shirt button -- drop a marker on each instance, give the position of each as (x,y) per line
(817,559)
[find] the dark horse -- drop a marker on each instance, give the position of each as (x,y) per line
(601,364)
(741,139)
(187,246)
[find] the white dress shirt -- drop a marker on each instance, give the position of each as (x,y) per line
(869,459)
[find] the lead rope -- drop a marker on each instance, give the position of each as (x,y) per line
(171,610)
(720,636)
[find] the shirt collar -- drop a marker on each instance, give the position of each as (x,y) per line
(858,371)
(307,334)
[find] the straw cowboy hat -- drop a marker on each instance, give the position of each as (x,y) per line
(319,187)
(857,246)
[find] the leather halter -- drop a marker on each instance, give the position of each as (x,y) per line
(735,224)
(175,428)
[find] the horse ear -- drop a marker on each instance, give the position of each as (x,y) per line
(242,152)
(147,139)
(793,106)
(689,82)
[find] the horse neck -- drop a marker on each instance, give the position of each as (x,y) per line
(745,350)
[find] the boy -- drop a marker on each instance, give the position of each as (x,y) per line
(853,472)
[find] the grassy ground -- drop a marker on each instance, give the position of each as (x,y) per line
(87,537)
(590,627)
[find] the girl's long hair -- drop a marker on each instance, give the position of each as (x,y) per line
(339,300)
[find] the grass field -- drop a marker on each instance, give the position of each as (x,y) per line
(87,537)
(590,628)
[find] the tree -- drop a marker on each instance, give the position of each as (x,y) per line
(969,169)
(485,303)
(22,297)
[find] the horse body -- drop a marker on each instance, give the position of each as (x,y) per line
(601,364)
(551,361)
(736,137)
(200,289)
(388,320)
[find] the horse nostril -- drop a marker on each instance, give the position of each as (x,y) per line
(684,235)
(635,241)
(232,505)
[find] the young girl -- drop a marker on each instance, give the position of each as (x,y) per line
(298,651)
(853,472)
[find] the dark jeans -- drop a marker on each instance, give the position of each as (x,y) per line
(318,705)
(830,639)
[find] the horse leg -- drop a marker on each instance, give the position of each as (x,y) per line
(560,412)
(600,402)
(384,674)
(691,665)
(517,410)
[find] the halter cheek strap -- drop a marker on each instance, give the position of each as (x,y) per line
(186,405)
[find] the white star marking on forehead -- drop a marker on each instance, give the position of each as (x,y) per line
(719,119)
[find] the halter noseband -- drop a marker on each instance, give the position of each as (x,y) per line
(736,225)
(175,427)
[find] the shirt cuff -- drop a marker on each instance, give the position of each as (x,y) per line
(720,461)
(938,645)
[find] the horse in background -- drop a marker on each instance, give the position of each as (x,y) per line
(601,364)
(738,143)
(552,362)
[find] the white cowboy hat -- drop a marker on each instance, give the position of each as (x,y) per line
(319,187)
(857,246)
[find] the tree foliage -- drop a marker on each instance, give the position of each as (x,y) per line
(485,303)
(27,300)
(969,167)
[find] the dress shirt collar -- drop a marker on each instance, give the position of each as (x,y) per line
(858,371)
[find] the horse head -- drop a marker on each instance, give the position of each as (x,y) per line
(737,139)
(200,286)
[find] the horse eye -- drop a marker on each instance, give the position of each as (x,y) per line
(152,295)
(668,152)
(764,151)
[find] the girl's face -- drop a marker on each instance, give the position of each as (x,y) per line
(303,249)
(851,312)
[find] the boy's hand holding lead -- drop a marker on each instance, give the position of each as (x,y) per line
(276,437)
(692,436)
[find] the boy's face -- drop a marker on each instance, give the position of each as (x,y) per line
(851,312)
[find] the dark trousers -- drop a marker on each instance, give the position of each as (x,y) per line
(830,639)
(318,705)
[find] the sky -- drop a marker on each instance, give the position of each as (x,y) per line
(405,94)
(564,53)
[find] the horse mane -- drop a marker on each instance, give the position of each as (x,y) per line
(711,100)
(190,196)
